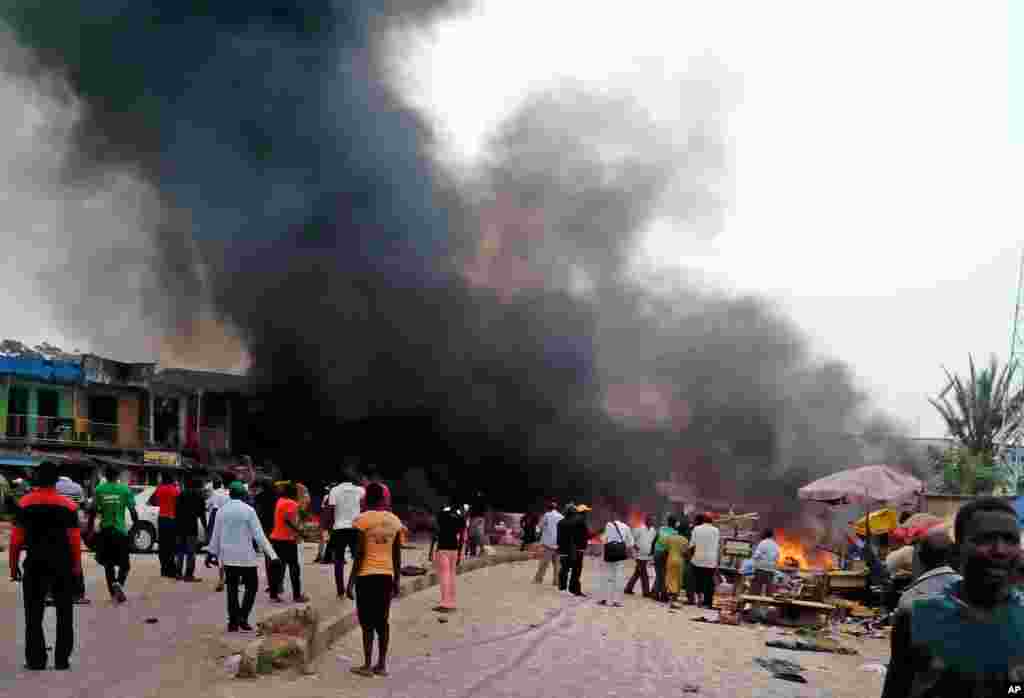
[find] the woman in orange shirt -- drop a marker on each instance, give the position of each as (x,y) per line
(375,576)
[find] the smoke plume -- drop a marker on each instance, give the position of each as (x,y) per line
(281,191)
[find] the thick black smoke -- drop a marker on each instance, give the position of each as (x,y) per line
(394,314)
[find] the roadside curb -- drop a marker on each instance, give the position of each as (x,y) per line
(324,632)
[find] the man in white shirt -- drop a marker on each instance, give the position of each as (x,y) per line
(766,561)
(549,543)
(644,539)
(615,531)
(216,500)
(236,528)
(345,499)
(704,541)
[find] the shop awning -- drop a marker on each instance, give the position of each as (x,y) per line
(882,521)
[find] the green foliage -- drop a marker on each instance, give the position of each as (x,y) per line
(964,472)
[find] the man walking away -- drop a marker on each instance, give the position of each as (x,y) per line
(704,541)
(285,540)
(661,557)
(643,537)
(528,524)
(324,555)
(613,583)
(344,500)
(566,547)
(166,498)
(113,546)
(451,525)
(66,487)
(217,500)
(47,528)
(265,503)
(236,529)
(549,544)
(190,511)
(581,536)
(968,640)
(934,552)
(375,577)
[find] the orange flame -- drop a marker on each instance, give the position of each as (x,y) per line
(807,557)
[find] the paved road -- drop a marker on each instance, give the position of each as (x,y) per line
(118,654)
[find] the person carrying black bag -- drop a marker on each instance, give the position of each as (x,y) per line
(618,542)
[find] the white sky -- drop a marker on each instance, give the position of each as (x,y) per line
(870,149)
(871,155)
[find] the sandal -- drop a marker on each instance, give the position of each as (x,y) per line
(380,671)
(362,671)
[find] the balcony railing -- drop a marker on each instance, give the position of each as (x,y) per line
(85,432)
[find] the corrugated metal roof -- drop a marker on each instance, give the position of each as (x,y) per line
(184,379)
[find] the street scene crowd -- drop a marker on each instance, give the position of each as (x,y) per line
(956,628)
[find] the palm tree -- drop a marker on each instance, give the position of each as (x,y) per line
(985,411)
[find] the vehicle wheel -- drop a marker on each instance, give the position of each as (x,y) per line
(143,538)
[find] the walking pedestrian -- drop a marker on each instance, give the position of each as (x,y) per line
(47,529)
(166,498)
(704,542)
(644,539)
(265,503)
(345,501)
(618,542)
(528,524)
(324,553)
(549,544)
(579,539)
(189,518)
(566,547)
(235,531)
(66,487)
(675,564)
(968,640)
(217,500)
(451,524)
(661,557)
(477,526)
(113,546)
(375,577)
(285,540)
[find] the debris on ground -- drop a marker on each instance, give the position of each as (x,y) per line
(782,669)
(231,663)
(151,621)
(413,571)
(442,619)
(691,688)
(817,645)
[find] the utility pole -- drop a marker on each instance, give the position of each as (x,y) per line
(1017,342)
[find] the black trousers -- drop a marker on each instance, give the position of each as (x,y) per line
(704,579)
(113,552)
(640,573)
(571,572)
(167,532)
(288,552)
(36,585)
(660,562)
(249,580)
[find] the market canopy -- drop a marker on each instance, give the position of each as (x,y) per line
(882,521)
(866,484)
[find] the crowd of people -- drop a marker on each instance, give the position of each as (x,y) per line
(958,629)
(237,524)
(669,561)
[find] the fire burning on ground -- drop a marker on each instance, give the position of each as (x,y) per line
(805,555)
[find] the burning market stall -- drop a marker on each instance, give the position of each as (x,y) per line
(869,485)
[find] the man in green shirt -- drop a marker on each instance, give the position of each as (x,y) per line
(661,558)
(113,546)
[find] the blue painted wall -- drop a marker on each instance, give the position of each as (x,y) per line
(42,369)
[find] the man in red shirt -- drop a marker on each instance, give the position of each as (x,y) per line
(47,529)
(166,497)
(285,540)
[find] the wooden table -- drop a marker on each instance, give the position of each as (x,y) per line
(792,611)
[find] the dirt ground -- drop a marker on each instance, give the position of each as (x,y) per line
(513,638)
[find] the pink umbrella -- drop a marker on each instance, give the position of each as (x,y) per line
(865,485)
